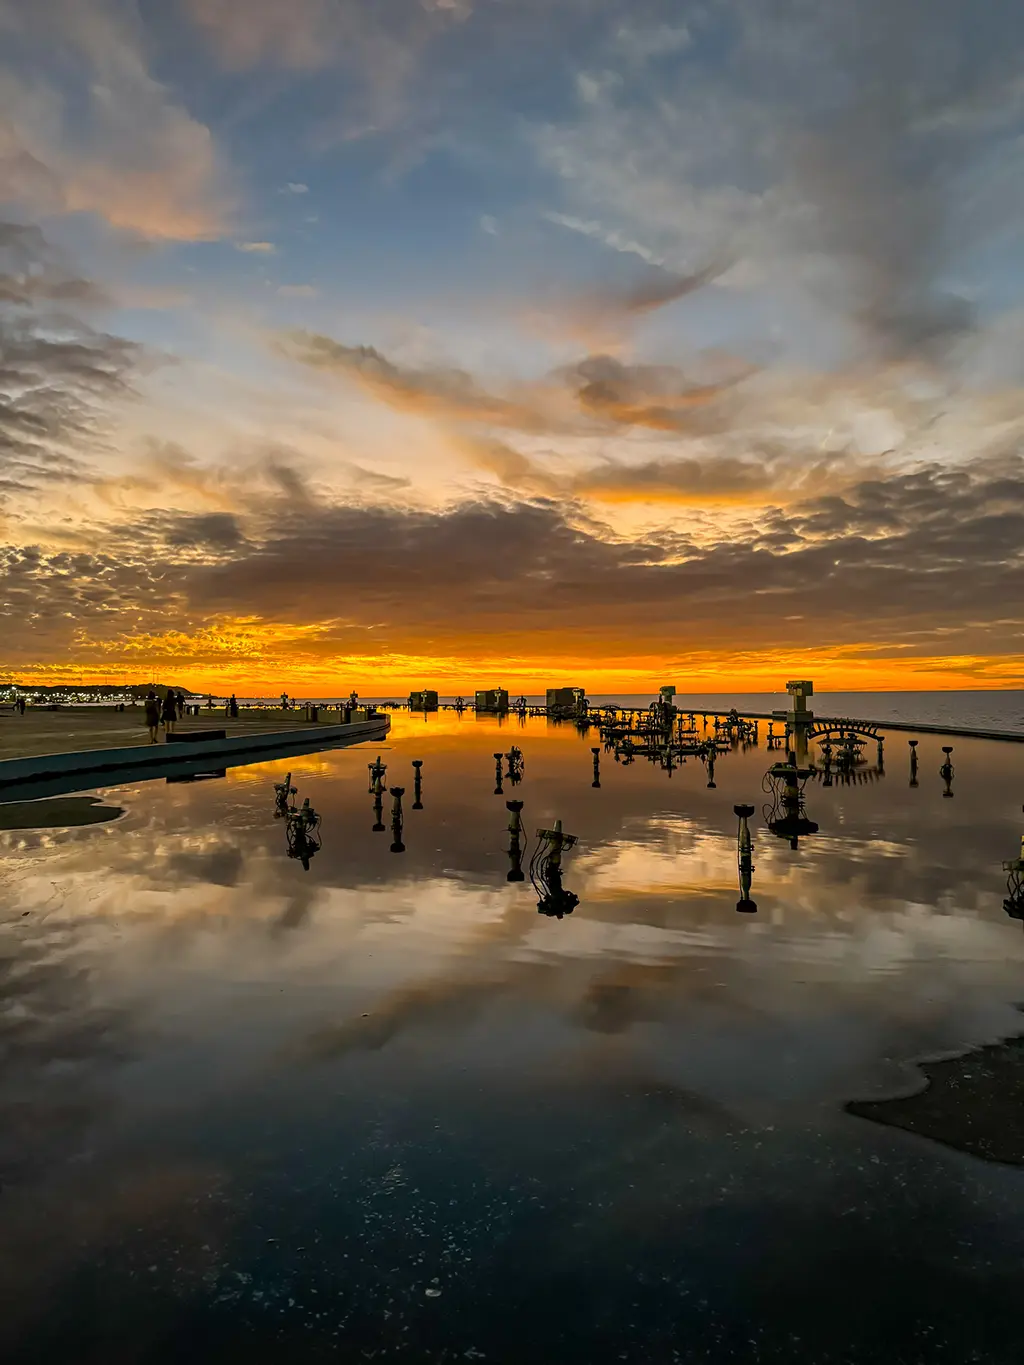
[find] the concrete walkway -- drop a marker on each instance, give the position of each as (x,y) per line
(244,740)
(101,727)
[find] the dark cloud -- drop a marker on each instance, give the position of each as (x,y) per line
(451,394)
(209,531)
(763,472)
(927,561)
(721,478)
(657,396)
(658,288)
(929,548)
(57,372)
(598,391)
(609,308)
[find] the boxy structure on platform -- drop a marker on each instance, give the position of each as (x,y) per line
(494,699)
(566,701)
(423,701)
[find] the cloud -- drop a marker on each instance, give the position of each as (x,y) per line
(297,291)
(450,394)
(489,225)
(109,138)
(658,289)
(929,558)
(295,187)
(206,531)
(377,69)
(599,390)
(309,34)
(702,483)
(602,315)
(305,34)
(58,374)
(256,248)
(655,396)
(834,148)
(608,236)
(912,571)
(642,43)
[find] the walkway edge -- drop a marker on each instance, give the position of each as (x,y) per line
(14,770)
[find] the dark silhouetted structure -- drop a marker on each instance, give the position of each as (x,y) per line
(784,814)
(546,873)
(745,861)
(516,765)
(493,701)
(396,819)
(1014,868)
(515,846)
(566,702)
(947,771)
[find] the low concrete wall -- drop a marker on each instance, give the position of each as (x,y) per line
(14,770)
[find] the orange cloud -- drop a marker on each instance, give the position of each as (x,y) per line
(450,394)
(850,668)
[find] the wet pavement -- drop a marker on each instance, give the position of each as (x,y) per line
(384,1109)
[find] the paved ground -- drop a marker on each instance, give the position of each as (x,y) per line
(94,727)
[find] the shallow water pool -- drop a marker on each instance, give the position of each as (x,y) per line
(384,1109)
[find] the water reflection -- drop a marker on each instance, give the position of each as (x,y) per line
(400,1067)
(1014,868)
(554,900)
(745,861)
(784,812)
(397,819)
(515,841)
(947,771)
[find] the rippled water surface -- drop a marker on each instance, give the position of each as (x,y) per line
(385,1109)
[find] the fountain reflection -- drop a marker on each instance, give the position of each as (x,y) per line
(784,813)
(554,900)
(516,765)
(303,833)
(1014,868)
(947,771)
(515,846)
(302,823)
(396,819)
(745,861)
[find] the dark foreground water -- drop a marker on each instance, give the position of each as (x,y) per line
(383,1109)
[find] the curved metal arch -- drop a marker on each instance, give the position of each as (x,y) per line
(825,730)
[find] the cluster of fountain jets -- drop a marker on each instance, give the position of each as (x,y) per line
(784,812)
(302,823)
(378,773)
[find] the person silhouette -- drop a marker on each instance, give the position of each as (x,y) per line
(152,715)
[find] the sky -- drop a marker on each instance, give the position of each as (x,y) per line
(465,343)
